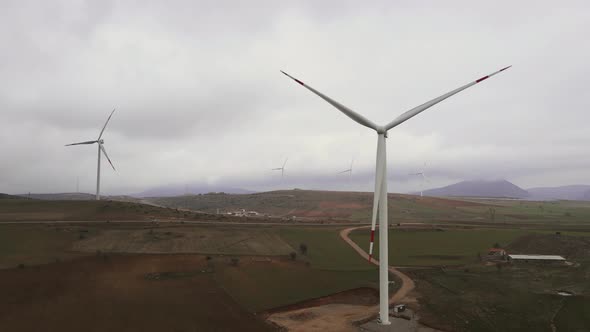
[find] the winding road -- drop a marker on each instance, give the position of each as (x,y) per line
(407,283)
(339,317)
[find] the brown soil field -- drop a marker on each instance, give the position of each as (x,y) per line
(120,293)
(359,296)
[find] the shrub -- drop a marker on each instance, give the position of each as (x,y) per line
(235,261)
(303,248)
(293,255)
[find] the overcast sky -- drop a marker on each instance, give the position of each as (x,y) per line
(199,97)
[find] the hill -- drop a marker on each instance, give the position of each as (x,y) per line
(497,189)
(60,196)
(77,197)
(572,193)
(54,210)
(192,189)
(321,205)
(7,196)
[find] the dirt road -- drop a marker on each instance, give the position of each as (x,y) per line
(339,317)
(407,283)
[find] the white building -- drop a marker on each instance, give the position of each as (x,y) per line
(536,259)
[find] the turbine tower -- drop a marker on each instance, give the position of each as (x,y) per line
(422,173)
(101,148)
(282,168)
(380,196)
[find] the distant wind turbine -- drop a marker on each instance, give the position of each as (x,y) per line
(422,173)
(349,170)
(380,196)
(282,169)
(101,148)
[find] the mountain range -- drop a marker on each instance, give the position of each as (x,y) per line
(506,189)
(480,188)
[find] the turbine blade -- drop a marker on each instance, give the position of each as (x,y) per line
(285,163)
(347,111)
(419,109)
(106,155)
(105,124)
(348,170)
(87,142)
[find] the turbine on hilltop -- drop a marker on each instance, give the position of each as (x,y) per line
(101,148)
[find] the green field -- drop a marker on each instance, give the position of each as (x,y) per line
(574,315)
(357,207)
(262,286)
(256,283)
(553,212)
(516,298)
(33,244)
(443,247)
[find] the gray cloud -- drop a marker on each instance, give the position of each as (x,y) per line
(199,95)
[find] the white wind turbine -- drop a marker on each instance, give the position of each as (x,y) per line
(282,168)
(422,173)
(349,170)
(101,148)
(380,196)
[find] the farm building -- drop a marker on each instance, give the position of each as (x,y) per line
(538,259)
(496,253)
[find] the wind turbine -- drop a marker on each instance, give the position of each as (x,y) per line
(380,196)
(424,179)
(349,170)
(101,148)
(282,169)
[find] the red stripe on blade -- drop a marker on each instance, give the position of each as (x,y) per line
(372,235)
(481,79)
(370,256)
(298,81)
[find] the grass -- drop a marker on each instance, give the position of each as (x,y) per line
(572,212)
(330,265)
(514,299)
(264,286)
(333,267)
(574,315)
(431,247)
(326,250)
(30,244)
(214,240)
